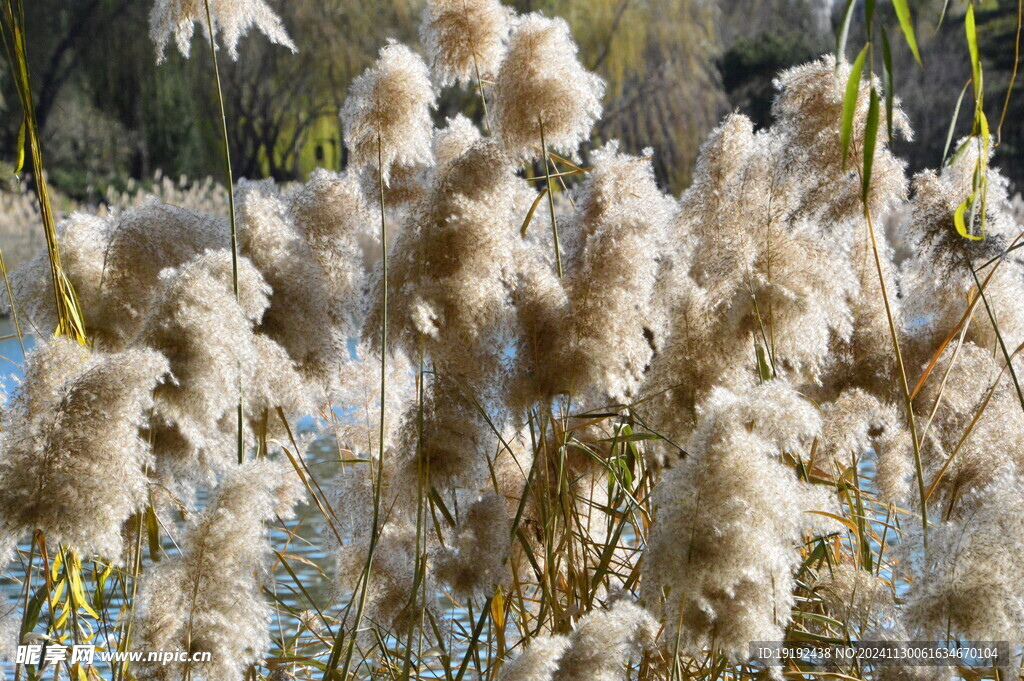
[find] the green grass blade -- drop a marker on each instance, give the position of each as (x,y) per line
(960,223)
(844,31)
(972,44)
(907,24)
(887,83)
(870,138)
(19,161)
(952,123)
(850,102)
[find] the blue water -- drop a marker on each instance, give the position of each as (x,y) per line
(11,356)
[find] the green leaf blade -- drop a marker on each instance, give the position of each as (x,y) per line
(844,31)
(972,45)
(907,25)
(870,139)
(850,102)
(887,84)
(958,219)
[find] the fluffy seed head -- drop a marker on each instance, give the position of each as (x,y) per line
(474,563)
(231,18)
(73,464)
(454,139)
(809,112)
(331,212)
(209,339)
(451,269)
(303,317)
(114,263)
(208,598)
(600,648)
(538,662)
(966,583)
(856,597)
(732,498)
(618,235)
(465,38)
(388,106)
(541,82)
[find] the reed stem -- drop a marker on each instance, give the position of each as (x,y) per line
(231,205)
(551,199)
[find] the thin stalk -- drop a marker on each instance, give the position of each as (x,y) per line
(1013,74)
(999,336)
(904,384)
(70,321)
(421,544)
(477,630)
(136,566)
(14,308)
(483,99)
(551,199)
(350,649)
(51,626)
(309,480)
(231,202)
(384,295)
(27,599)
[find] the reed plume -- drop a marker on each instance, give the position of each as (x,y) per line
(209,597)
(73,463)
(176,19)
(541,84)
(465,38)
(387,113)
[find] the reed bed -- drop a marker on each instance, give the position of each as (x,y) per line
(576,428)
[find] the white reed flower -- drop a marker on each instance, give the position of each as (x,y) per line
(598,650)
(83,239)
(538,662)
(541,83)
(465,38)
(808,110)
(776,263)
(937,278)
(856,597)
(216,358)
(857,423)
(358,428)
(452,267)
(304,316)
(114,263)
(541,308)
(231,18)
(475,561)
(454,441)
(72,463)
(331,212)
(730,517)
(604,640)
(978,415)
(387,113)
(455,139)
(389,599)
(967,584)
(209,597)
(614,249)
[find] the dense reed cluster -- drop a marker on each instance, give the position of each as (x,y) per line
(624,434)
